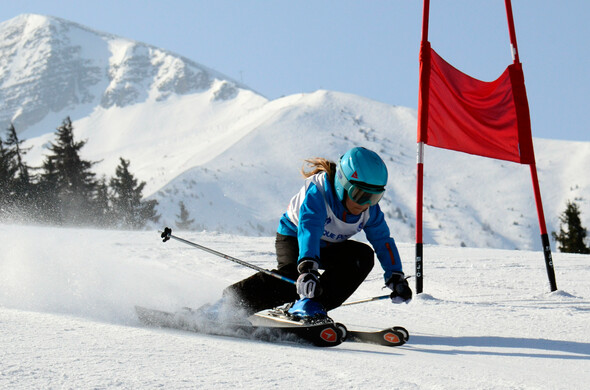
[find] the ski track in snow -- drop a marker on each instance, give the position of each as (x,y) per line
(485,321)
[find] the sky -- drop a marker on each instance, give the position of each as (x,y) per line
(368,48)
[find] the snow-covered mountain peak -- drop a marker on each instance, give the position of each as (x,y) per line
(50,65)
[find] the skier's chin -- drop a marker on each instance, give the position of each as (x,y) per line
(355,208)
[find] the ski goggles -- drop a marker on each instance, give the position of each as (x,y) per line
(362,196)
(361,193)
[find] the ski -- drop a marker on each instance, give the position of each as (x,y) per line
(323,334)
(390,337)
(274,325)
(320,330)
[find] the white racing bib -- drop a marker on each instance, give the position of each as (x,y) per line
(335,230)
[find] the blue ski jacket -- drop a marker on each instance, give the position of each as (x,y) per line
(317,217)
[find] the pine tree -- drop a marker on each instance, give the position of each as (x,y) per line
(76,183)
(183,222)
(23,188)
(47,193)
(148,212)
(7,179)
(571,239)
(128,208)
(102,212)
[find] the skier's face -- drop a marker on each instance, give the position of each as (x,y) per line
(355,208)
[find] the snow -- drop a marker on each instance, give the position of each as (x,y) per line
(486,319)
(182,147)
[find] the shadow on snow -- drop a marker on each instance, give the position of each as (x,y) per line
(569,349)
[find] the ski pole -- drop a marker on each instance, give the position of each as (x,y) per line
(378,298)
(167,234)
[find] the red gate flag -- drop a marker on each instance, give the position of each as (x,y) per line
(489,119)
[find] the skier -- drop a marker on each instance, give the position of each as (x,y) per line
(337,201)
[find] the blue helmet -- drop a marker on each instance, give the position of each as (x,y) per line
(362,175)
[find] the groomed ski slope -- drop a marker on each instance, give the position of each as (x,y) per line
(485,321)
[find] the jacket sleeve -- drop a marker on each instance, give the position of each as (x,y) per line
(312,218)
(379,236)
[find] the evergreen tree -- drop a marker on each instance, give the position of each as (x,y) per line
(183,222)
(103,215)
(76,183)
(23,188)
(571,239)
(7,179)
(148,212)
(46,197)
(128,207)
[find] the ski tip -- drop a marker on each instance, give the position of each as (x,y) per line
(403,331)
(390,337)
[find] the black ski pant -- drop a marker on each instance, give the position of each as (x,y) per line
(345,264)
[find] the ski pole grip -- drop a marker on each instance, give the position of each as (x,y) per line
(166,234)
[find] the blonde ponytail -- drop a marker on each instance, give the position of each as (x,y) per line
(318,165)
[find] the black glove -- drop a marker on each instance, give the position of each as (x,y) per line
(401,290)
(308,282)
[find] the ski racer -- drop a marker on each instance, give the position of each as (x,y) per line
(313,244)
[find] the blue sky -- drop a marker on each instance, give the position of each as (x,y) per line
(369,48)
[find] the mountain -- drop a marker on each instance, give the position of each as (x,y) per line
(52,66)
(233,157)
